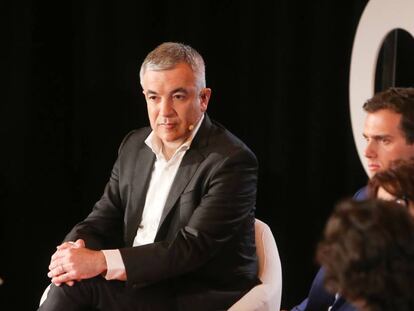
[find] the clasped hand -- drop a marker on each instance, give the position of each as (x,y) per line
(72,262)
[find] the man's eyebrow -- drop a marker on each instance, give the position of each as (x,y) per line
(179,90)
(377,137)
(151,92)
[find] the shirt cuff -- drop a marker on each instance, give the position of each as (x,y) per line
(115,265)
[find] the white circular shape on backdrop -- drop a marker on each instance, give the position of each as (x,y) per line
(379,18)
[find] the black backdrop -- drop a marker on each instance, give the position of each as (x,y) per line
(279,73)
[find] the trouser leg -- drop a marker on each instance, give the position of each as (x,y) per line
(100,294)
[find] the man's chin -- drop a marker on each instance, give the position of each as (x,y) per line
(374,169)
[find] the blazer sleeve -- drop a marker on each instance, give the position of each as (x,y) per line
(228,200)
(318,298)
(361,194)
(301,307)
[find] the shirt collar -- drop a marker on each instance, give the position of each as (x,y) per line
(155,143)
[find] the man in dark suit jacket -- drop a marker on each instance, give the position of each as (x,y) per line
(389,132)
(174,229)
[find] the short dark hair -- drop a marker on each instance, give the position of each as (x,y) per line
(368,254)
(397,179)
(399,100)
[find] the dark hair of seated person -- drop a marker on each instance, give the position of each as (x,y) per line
(398,180)
(368,254)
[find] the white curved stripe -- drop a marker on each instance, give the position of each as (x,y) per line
(379,18)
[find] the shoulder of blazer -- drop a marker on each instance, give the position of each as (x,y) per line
(361,194)
(214,137)
(134,136)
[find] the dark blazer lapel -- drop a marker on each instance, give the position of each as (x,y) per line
(142,176)
(188,167)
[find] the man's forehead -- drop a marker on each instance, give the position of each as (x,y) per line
(383,119)
(176,76)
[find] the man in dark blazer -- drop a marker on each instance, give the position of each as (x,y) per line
(389,132)
(174,229)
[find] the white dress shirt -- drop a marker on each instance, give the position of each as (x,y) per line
(336,298)
(162,177)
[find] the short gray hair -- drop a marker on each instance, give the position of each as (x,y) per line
(169,54)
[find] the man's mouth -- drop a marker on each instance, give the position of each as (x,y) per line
(167,125)
(373,166)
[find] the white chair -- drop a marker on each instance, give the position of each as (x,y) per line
(44,295)
(266,296)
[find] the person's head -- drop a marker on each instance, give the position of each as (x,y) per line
(173,81)
(368,255)
(389,127)
(396,183)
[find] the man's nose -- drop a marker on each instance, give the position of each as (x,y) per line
(370,150)
(166,108)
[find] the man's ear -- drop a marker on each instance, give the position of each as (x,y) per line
(204,98)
